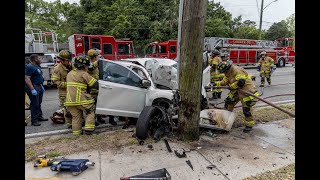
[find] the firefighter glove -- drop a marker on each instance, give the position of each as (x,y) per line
(34,92)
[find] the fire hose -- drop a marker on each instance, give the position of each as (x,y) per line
(261,99)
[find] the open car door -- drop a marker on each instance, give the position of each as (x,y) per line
(120,91)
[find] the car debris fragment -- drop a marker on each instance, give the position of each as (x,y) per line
(189,163)
(180,155)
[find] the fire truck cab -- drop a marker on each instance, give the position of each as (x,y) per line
(111,48)
(167,49)
(285,48)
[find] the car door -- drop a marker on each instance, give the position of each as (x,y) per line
(120,93)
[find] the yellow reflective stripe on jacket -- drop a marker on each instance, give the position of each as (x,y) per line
(240,76)
(79,103)
(92,81)
(69,97)
(64,84)
(78,93)
(233,86)
(249,98)
(76,84)
(54,78)
(225,79)
(218,83)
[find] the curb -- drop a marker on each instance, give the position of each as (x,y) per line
(67,131)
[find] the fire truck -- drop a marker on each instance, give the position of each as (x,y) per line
(167,49)
(111,48)
(241,51)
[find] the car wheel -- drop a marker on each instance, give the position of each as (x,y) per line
(76,173)
(281,63)
(204,103)
(142,126)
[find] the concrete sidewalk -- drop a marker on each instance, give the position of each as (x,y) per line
(236,155)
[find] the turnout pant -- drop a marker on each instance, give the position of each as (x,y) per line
(264,75)
(77,116)
(230,102)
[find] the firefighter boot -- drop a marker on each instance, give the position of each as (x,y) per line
(215,95)
(111,121)
(269,81)
(247,129)
(219,95)
(262,82)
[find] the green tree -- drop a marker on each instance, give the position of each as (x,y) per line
(291,24)
(219,22)
(278,30)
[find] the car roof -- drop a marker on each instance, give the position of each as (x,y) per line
(142,61)
(123,63)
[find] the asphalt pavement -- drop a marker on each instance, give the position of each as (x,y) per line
(283,80)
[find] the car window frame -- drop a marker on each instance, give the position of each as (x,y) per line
(102,71)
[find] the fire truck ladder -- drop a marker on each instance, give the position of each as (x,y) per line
(35,37)
(54,37)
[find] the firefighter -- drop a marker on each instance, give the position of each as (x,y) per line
(94,55)
(266,66)
(238,78)
(78,100)
(214,74)
(59,78)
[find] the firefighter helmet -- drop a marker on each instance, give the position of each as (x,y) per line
(93,52)
(224,66)
(215,52)
(82,61)
(65,55)
(58,117)
(263,53)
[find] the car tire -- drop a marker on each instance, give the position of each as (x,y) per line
(281,63)
(142,126)
(204,103)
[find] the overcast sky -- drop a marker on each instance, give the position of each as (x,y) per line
(275,12)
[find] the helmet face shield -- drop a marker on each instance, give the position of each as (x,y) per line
(224,66)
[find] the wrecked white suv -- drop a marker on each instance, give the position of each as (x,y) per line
(126,88)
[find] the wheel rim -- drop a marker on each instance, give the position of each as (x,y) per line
(281,62)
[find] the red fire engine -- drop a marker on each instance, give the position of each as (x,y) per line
(242,51)
(167,49)
(111,48)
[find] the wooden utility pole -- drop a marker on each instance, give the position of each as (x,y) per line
(190,66)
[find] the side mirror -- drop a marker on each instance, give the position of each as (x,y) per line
(146,83)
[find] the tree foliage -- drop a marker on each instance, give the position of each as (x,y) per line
(278,30)
(143,21)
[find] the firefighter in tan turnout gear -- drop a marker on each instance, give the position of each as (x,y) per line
(93,70)
(78,100)
(214,74)
(266,67)
(59,78)
(238,78)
